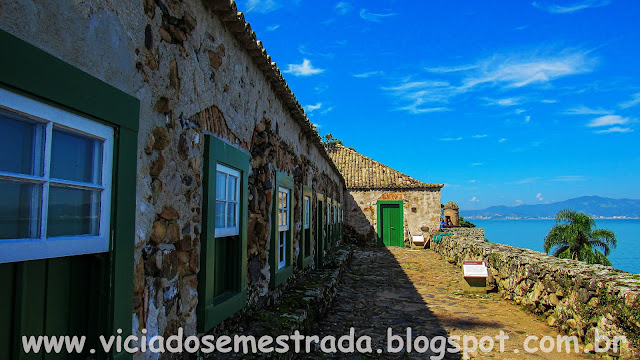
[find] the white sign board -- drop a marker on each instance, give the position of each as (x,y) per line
(475,269)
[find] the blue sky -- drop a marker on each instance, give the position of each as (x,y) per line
(506,102)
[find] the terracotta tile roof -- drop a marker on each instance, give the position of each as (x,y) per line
(361,172)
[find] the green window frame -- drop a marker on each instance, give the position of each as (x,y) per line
(222,280)
(319,226)
(280,274)
(36,74)
(305,257)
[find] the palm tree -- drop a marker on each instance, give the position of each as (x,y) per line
(574,237)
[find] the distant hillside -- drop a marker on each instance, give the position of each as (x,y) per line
(595,206)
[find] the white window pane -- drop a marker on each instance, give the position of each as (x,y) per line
(221,180)
(285,199)
(280,199)
(232,182)
(73,212)
(23,140)
(75,157)
(19,210)
(220,211)
(231,215)
(285,217)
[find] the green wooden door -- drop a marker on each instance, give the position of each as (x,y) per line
(391,228)
(54,297)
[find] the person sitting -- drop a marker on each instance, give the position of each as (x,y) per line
(449,222)
(442,224)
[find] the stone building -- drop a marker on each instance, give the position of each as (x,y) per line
(165,175)
(452,213)
(384,206)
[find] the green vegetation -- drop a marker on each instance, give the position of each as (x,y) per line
(330,140)
(574,237)
(466,224)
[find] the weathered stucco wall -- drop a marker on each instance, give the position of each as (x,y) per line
(192,78)
(421,212)
(574,296)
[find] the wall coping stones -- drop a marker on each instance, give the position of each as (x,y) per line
(574,296)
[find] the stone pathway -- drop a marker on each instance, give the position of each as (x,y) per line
(400,288)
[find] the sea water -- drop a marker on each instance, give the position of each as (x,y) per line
(530,234)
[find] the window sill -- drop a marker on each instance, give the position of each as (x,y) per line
(224,307)
(281,275)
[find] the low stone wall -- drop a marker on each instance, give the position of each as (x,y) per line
(575,297)
(469,233)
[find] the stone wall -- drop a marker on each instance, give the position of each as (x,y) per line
(421,212)
(193,76)
(573,296)
(468,233)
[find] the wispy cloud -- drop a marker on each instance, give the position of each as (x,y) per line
(615,129)
(473,181)
(519,202)
(343,8)
(503,71)
(584,110)
(368,74)
(442,70)
(304,69)
(635,100)
(570,8)
(527,180)
(512,101)
(608,120)
(263,6)
(527,119)
(474,199)
(369,16)
(477,164)
(502,140)
(272,28)
(569,178)
(480,136)
(539,196)
(312,108)
(451,139)
(549,101)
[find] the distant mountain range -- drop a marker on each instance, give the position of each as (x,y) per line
(596,206)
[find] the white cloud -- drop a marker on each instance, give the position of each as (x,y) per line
(584,110)
(518,202)
(272,28)
(449,69)
(369,16)
(549,101)
(474,199)
(327,110)
(518,70)
(502,140)
(608,120)
(368,74)
(473,181)
(304,69)
(635,100)
(506,101)
(312,108)
(480,136)
(570,8)
(451,139)
(520,111)
(262,6)
(527,119)
(539,196)
(343,8)
(503,71)
(570,178)
(615,129)
(527,180)
(477,164)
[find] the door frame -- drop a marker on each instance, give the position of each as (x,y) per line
(319,226)
(379,217)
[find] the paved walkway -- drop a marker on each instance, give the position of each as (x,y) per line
(400,288)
